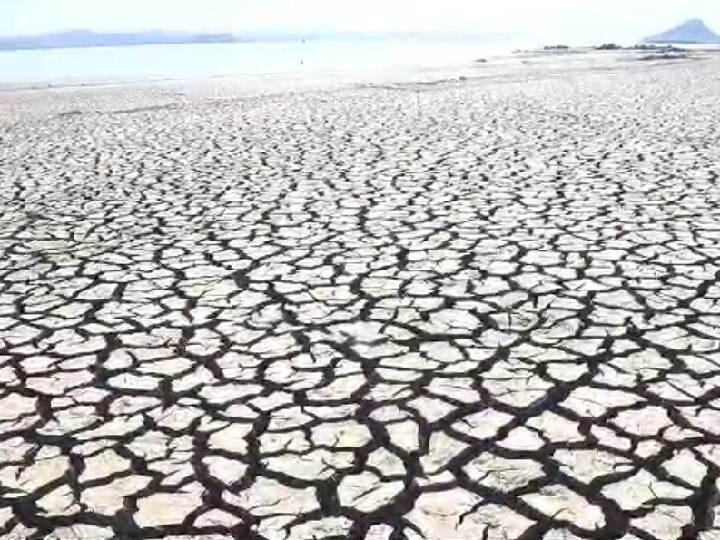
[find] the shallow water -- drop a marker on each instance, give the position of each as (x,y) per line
(102,64)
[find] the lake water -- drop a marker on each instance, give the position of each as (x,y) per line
(109,64)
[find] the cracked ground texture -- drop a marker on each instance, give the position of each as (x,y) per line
(476,310)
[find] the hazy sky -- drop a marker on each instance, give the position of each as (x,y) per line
(566,20)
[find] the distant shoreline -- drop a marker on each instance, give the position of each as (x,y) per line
(529,62)
(85,40)
(109,45)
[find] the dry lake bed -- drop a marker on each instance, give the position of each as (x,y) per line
(485,308)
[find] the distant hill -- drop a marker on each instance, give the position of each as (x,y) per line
(692,31)
(87,38)
(84,38)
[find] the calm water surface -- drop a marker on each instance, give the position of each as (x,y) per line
(103,64)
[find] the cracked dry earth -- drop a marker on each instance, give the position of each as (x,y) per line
(479,310)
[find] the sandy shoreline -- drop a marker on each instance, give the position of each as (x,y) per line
(476,303)
(496,65)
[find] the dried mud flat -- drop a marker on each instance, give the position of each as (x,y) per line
(477,310)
